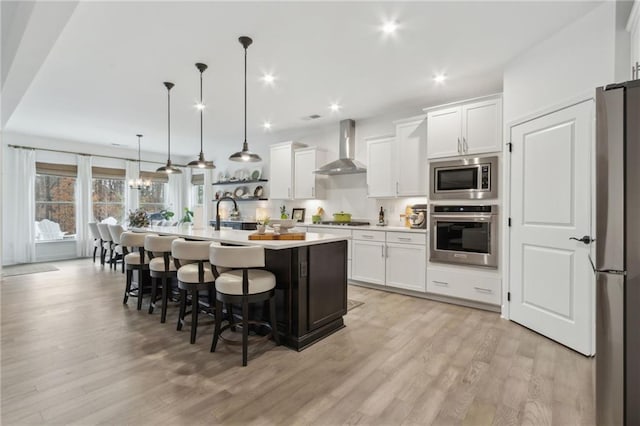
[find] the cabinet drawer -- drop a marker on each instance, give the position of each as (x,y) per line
(465,285)
(406,237)
(368,235)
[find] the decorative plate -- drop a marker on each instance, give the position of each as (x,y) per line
(255,174)
(240,191)
(228,194)
(258,192)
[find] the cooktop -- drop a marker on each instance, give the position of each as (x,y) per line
(352,223)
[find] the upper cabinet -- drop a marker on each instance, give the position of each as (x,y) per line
(306,183)
(396,166)
(411,162)
(464,129)
(381,170)
(282,170)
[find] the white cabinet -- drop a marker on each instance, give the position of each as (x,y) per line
(305,182)
(411,157)
(281,185)
(381,173)
(406,261)
(397,259)
(470,285)
(469,128)
(368,261)
(396,166)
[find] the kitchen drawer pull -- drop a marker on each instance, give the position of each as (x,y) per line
(367,236)
(483,290)
(459,151)
(404,238)
(441,283)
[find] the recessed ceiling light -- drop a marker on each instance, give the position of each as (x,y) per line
(389,27)
(266,125)
(335,107)
(268,78)
(439,78)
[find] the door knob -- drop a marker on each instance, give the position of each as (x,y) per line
(586,239)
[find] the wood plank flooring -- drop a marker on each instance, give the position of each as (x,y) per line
(73,354)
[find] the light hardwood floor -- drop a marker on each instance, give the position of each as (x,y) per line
(72,353)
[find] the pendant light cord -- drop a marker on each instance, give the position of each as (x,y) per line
(139,157)
(201,108)
(169,125)
(245,95)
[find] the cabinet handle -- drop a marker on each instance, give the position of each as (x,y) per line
(441,283)
(465,145)
(404,239)
(483,290)
(386,251)
(459,146)
(367,236)
(382,247)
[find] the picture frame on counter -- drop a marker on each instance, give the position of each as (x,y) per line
(298,214)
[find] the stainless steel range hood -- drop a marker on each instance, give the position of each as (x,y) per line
(345,164)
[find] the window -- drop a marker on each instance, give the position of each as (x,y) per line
(108,193)
(55,196)
(197,189)
(152,200)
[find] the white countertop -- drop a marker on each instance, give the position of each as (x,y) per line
(238,237)
(368,228)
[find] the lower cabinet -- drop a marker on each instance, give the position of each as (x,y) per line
(396,259)
(406,265)
(368,261)
(470,285)
(336,230)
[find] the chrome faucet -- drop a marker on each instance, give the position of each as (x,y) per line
(235,208)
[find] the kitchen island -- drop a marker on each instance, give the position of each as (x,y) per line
(311,279)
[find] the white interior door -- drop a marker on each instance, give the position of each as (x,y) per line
(551,281)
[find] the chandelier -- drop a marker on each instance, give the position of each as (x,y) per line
(139,183)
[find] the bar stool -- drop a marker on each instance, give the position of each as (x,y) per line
(116,231)
(97,243)
(137,260)
(161,267)
(241,287)
(107,241)
(193,278)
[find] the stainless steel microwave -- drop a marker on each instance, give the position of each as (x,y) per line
(464,179)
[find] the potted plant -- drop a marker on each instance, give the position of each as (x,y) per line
(262,225)
(283,212)
(187,218)
(166,214)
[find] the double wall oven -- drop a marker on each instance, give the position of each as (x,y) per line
(464,233)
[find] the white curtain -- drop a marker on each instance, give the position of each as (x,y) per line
(131,201)
(178,192)
(84,207)
(19,204)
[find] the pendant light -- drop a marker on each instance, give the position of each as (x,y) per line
(169,168)
(201,163)
(139,183)
(245,154)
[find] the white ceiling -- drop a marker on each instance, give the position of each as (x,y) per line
(102,81)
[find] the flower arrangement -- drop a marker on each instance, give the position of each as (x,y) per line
(138,218)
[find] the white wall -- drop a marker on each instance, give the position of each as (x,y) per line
(343,193)
(633,26)
(570,63)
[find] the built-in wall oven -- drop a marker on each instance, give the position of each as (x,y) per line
(464,234)
(464,179)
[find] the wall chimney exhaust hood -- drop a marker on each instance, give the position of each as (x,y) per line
(345,164)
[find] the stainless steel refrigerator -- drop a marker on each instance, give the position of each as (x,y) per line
(617,254)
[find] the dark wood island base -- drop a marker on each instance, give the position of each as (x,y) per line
(311,291)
